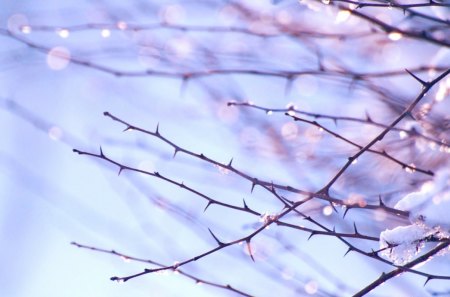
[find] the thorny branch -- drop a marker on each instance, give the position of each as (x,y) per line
(364,78)
(426,86)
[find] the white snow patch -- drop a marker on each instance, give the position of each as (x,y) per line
(429,214)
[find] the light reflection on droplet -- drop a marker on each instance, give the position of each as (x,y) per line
(105,33)
(342,16)
(379,215)
(55,133)
(228,15)
(327,210)
(125,259)
(394,36)
(288,273)
(313,134)
(122,25)
(58,58)
(443,91)
(403,134)
(181,47)
(172,14)
(16,22)
(437,199)
(25,29)
(283,17)
(63,33)
(411,168)
(289,131)
(222,170)
(311,287)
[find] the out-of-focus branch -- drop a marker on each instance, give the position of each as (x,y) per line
(426,86)
(291,110)
(391,4)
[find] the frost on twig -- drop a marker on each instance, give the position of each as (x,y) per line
(429,211)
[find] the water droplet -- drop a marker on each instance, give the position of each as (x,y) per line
(105,33)
(63,33)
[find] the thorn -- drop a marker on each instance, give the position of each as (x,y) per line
(348,251)
(354,226)
(208,205)
(230,163)
(423,83)
(184,83)
(202,156)
(253,185)
(411,116)
(311,235)
(334,229)
(369,119)
(428,279)
(120,170)
(390,245)
(345,212)
(156,173)
(249,248)
(215,238)
(308,218)
(245,204)
(288,85)
(175,153)
(157,130)
(381,201)
(101,153)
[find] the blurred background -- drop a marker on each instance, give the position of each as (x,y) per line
(178,65)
